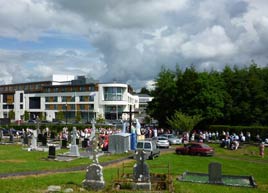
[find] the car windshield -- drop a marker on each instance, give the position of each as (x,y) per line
(147,146)
(205,145)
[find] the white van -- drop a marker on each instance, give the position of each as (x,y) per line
(149,147)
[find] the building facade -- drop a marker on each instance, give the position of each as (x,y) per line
(69,97)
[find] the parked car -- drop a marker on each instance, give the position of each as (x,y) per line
(149,147)
(162,141)
(173,139)
(195,149)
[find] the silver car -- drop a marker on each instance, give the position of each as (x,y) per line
(173,140)
(162,142)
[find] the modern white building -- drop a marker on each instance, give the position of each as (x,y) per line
(69,96)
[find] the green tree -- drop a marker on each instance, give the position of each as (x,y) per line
(60,115)
(11,115)
(78,116)
(26,115)
(100,119)
(183,122)
(145,91)
(164,97)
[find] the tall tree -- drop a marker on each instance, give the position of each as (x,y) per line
(162,105)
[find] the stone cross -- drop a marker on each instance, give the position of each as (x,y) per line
(94,139)
(93,130)
(141,169)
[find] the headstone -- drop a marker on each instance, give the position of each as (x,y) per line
(34,140)
(141,169)
(52,152)
(74,150)
(94,176)
(214,173)
(11,136)
(141,174)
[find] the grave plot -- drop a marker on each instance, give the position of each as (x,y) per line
(139,177)
(215,176)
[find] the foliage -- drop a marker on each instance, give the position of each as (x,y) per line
(182,122)
(78,116)
(145,91)
(26,115)
(100,119)
(162,105)
(11,114)
(60,115)
(234,96)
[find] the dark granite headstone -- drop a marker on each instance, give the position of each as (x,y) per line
(214,173)
(52,152)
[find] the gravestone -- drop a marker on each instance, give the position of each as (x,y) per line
(214,173)
(94,176)
(52,152)
(141,174)
(11,136)
(34,140)
(74,150)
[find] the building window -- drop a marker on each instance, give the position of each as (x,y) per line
(47,99)
(82,107)
(55,99)
(113,94)
(63,99)
(21,97)
(113,112)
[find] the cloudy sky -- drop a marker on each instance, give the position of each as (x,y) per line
(128,40)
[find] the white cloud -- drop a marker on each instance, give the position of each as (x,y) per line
(129,40)
(211,43)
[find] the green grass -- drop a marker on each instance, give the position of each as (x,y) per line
(15,159)
(244,161)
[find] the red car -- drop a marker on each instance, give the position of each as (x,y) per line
(195,149)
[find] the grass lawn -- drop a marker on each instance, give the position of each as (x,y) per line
(245,161)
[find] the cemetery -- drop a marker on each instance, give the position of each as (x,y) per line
(45,164)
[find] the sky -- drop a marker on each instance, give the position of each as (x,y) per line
(128,41)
